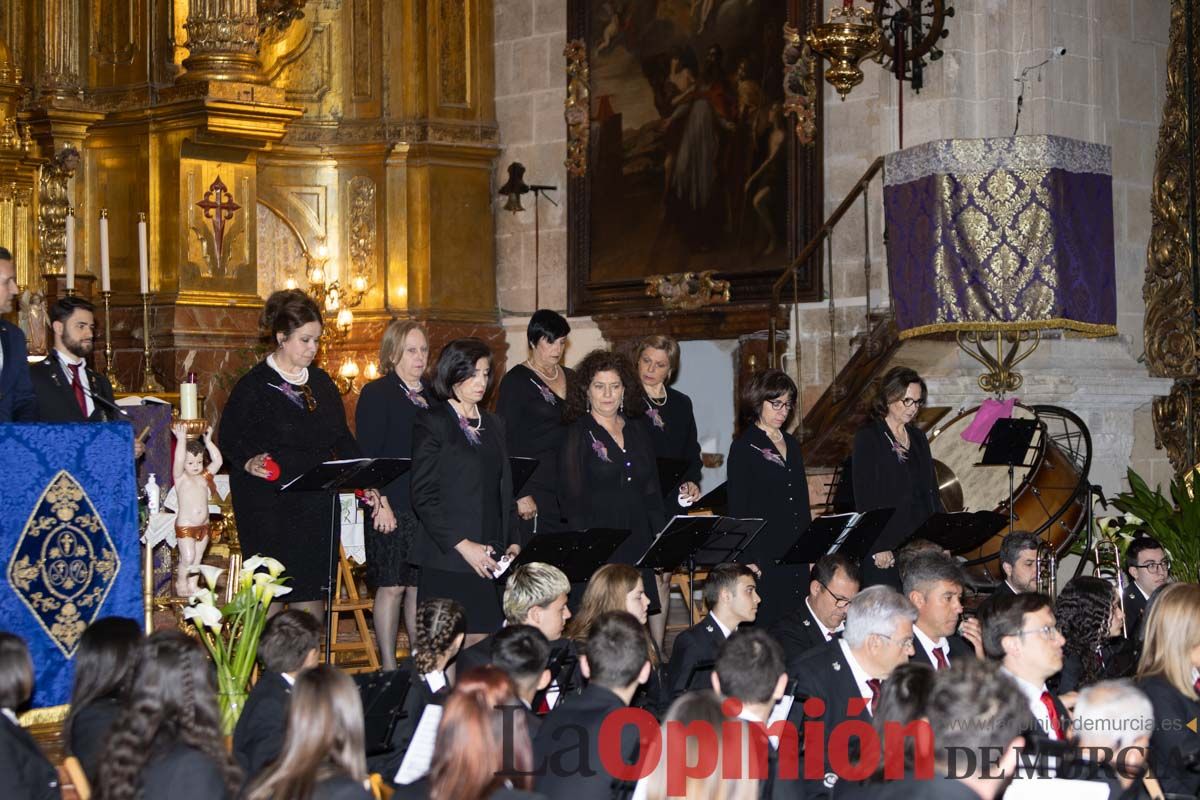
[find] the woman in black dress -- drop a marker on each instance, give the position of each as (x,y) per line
(766,480)
(384,424)
(285,413)
(530,400)
(24,771)
(462,489)
(892,468)
(609,476)
(672,426)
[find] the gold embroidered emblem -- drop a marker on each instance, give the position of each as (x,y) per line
(64,563)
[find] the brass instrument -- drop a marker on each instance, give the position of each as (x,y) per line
(1047,571)
(1106,560)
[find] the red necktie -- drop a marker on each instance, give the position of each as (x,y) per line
(1055,722)
(78,386)
(940,658)
(543,706)
(873,685)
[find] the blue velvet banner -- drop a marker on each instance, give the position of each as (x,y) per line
(68,540)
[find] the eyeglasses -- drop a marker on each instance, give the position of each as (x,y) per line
(1047,632)
(909,402)
(1155,566)
(903,644)
(780,405)
(838,600)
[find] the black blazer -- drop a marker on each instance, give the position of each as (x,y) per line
(959,648)
(699,644)
(24,771)
(383,422)
(881,481)
(89,733)
(477,655)
(56,399)
(1135,608)
(419,790)
(447,487)
(340,787)
(824,672)
(936,788)
(18,403)
(181,773)
(258,737)
(1172,742)
(571,733)
(798,633)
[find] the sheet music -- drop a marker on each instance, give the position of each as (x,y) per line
(419,755)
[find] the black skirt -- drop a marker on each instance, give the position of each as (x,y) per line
(387,553)
(478,596)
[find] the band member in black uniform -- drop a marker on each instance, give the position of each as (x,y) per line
(1149,568)
(608,472)
(530,400)
(766,480)
(892,468)
(384,419)
(673,429)
(462,488)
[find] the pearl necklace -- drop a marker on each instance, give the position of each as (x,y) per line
(655,400)
(299,377)
(774,437)
(529,363)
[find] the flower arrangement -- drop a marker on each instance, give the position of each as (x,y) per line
(231,632)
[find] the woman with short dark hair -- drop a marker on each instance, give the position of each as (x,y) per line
(892,468)
(24,771)
(462,488)
(530,400)
(104,663)
(167,741)
(766,480)
(282,418)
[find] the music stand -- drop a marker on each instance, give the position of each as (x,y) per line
(577,553)
(960,532)
(383,695)
(1007,444)
(522,471)
(851,534)
(670,475)
(562,666)
(703,541)
(356,474)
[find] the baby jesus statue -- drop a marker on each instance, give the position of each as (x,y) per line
(193,483)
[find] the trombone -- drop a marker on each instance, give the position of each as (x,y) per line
(1106,557)
(1046,575)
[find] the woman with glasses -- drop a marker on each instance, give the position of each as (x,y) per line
(766,480)
(282,418)
(892,468)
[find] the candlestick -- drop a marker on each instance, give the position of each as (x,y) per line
(70,250)
(143,257)
(109,372)
(150,383)
(105,279)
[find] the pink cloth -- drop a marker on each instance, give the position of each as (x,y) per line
(989,411)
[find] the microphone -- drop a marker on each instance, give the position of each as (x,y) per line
(111,406)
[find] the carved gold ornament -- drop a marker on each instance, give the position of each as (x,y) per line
(64,562)
(799,84)
(688,291)
(577,107)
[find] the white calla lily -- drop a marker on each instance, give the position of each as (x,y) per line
(209,615)
(203,597)
(211,574)
(274,566)
(253,563)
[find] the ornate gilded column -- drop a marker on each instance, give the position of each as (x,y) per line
(58,46)
(222,41)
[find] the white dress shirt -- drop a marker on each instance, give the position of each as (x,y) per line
(1033,695)
(860,675)
(826,632)
(64,360)
(930,645)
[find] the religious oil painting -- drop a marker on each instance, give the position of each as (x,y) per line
(692,163)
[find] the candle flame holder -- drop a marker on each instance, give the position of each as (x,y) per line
(109,372)
(150,384)
(195,427)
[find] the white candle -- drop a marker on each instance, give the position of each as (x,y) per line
(189,406)
(70,250)
(105,279)
(143,258)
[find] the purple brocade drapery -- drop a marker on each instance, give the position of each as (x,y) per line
(1001,234)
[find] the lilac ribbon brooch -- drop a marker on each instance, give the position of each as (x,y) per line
(415,397)
(655,417)
(290,393)
(547,395)
(472,434)
(599,449)
(770,455)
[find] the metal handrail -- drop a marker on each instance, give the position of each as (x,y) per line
(821,235)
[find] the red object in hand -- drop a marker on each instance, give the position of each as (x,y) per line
(272,468)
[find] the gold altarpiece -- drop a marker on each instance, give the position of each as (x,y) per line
(254,134)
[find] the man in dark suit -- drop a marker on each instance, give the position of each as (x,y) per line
(835,580)
(1022,633)
(842,680)
(68,390)
(731,595)
(566,751)
(1148,568)
(934,584)
(288,645)
(535,594)
(750,669)
(17,400)
(970,690)
(1018,562)
(523,652)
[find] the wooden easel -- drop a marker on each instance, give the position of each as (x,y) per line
(347,600)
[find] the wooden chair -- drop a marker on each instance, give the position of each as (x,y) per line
(348,601)
(72,782)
